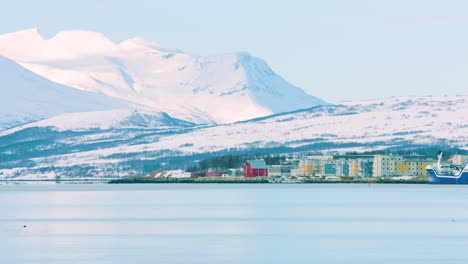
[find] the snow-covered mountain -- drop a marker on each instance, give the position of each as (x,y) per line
(26,97)
(396,123)
(224,88)
(99,108)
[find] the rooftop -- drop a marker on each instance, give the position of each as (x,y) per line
(257,164)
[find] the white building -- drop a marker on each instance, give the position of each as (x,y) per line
(459,159)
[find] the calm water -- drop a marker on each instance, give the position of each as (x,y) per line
(233,224)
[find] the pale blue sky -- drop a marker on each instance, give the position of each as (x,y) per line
(335,50)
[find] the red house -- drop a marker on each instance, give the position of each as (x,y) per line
(254,168)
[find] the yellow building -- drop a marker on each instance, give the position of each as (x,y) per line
(401,165)
(364,165)
(311,165)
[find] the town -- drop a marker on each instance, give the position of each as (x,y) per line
(324,168)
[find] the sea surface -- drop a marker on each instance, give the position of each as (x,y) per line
(210,223)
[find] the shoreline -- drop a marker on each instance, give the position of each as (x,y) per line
(219,180)
(60,180)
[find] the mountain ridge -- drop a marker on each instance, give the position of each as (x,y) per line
(27,97)
(396,123)
(226,88)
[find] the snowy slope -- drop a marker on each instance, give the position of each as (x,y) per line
(392,122)
(226,88)
(26,97)
(399,123)
(105,120)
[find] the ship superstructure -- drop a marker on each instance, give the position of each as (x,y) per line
(460,176)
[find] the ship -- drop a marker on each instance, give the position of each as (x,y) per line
(457,176)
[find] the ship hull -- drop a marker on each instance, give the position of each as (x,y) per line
(461,178)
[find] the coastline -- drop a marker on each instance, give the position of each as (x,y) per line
(220,180)
(256,180)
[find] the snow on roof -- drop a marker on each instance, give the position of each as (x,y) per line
(257,164)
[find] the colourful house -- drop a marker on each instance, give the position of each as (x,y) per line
(255,168)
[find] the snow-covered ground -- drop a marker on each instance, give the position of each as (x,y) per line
(105,120)
(361,126)
(169,174)
(96,107)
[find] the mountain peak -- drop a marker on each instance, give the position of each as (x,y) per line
(243,55)
(29,45)
(229,88)
(135,43)
(32,33)
(80,35)
(26,97)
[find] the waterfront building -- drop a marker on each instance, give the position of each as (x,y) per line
(385,165)
(274,170)
(364,165)
(295,172)
(255,168)
(459,160)
(355,165)
(414,165)
(401,165)
(312,165)
(338,165)
(282,170)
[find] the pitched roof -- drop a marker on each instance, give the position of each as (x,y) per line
(257,164)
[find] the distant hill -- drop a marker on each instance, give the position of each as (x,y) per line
(392,124)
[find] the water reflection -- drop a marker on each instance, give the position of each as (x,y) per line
(232,224)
